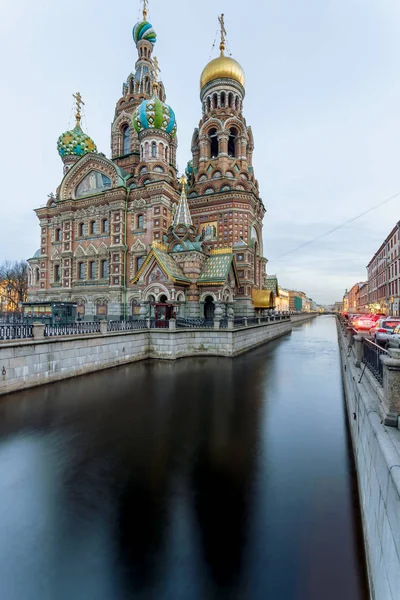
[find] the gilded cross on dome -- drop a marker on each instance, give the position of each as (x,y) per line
(79,104)
(145,5)
(221,20)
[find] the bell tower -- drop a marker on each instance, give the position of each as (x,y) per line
(223,195)
(139,86)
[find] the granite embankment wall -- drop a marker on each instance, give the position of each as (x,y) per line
(377,455)
(302,317)
(25,364)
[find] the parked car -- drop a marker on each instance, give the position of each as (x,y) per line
(363,322)
(383,330)
(394,340)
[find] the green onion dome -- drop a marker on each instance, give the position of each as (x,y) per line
(154,114)
(75,143)
(144,31)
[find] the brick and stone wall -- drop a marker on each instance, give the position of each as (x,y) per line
(25,364)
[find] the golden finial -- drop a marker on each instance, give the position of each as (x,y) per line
(79,104)
(145,4)
(183,182)
(221,20)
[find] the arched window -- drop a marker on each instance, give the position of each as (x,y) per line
(92,228)
(215,100)
(81,270)
(140,222)
(57,273)
(213,143)
(166,154)
(222,99)
(146,150)
(237,103)
(58,235)
(230,100)
(126,140)
(139,262)
(153,150)
(104,269)
(37,275)
(81,229)
(92,269)
(208,104)
(104,226)
(232,142)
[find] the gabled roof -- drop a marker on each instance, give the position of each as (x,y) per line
(167,264)
(216,269)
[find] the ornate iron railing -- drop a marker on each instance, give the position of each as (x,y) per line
(127,325)
(15,332)
(193,323)
(372,359)
(72,329)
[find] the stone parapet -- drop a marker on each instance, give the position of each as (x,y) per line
(377,455)
(26,363)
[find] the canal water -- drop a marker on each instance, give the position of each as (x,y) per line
(197,479)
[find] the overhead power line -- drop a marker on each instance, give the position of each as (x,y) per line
(322,235)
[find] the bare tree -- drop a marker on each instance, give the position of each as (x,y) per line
(14,282)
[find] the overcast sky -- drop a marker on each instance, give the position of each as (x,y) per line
(322,97)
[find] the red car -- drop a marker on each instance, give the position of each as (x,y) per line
(364,322)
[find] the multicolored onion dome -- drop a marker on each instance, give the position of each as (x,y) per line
(144,31)
(154,114)
(75,143)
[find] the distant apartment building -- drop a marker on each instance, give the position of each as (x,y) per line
(282,301)
(362,305)
(384,275)
(296,300)
(338,307)
(353,300)
(346,301)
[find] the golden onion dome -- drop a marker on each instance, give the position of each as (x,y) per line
(222,67)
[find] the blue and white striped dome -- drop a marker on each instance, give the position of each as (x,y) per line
(144,31)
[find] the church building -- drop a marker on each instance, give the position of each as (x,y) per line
(124,234)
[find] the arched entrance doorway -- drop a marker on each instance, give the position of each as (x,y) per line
(209,308)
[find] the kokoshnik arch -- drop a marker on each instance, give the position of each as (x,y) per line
(124,231)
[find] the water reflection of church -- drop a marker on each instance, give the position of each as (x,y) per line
(123,234)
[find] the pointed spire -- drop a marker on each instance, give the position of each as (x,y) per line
(182,215)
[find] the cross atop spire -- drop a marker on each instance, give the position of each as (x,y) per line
(79,104)
(145,5)
(221,20)
(182,215)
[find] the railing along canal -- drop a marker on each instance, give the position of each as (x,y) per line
(15,332)
(372,359)
(126,325)
(24,331)
(72,329)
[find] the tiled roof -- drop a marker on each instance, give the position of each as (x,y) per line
(171,268)
(216,269)
(167,263)
(271,284)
